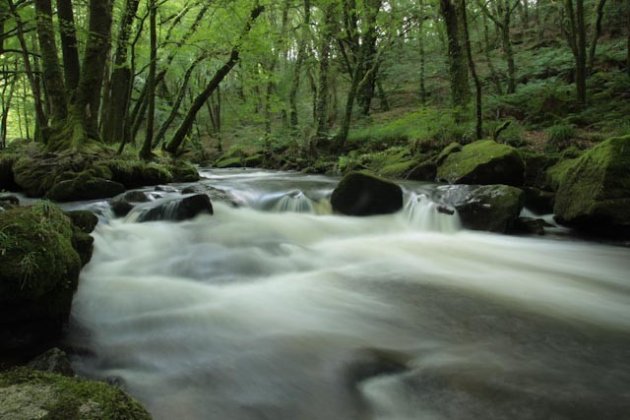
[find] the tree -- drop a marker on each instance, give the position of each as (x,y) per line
(458,68)
(576,37)
(146,151)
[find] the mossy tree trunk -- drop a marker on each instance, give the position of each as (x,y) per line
(473,72)
(458,68)
(299,62)
(576,37)
(368,43)
(146,151)
(597,30)
(173,146)
(322,105)
(120,81)
(69,48)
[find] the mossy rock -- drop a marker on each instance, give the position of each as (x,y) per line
(595,193)
(84,220)
(364,194)
(84,187)
(39,272)
(27,394)
(536,165)
(184,172)
(556,174)
(447,151)
(483,162)
(229,162)
(137,173)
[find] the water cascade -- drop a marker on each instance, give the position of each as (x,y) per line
(251,314)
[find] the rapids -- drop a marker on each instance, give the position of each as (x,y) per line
(280,310)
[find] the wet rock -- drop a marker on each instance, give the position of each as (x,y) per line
(492,208)
(122,204)
(184,172)
(39,273)
(215,194)
(179,209)
(53,361)
(595,194)
(85,220)
(137,173)
(363,194)
(84,187)
(529,226)
(424,171)
(30,394)
(539,201)
(484,162)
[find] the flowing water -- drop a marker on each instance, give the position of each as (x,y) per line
(280,310)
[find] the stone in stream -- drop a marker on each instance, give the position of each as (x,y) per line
(483,162)
(30,394)
(39,272)
(122,204)
(179,209)
(594,194)
(363,194)
(84,187)
(492,208)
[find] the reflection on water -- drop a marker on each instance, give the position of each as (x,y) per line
(252,314)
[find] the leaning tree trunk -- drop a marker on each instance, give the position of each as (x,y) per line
(367,90)
(458,69)
(187,124)
(120,83)
(321,106)
(473,72)
(297,70)
(597,30)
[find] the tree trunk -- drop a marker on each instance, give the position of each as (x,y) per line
(197,104)
(88,99)
(423,89)
(597,30)
(458,69)
(53,80)
(628,42)
(577,41)
(509,52)
(297,70)
(321,107)
(147,147)
(473,72)
(366,92)
(120,82)
(69,49)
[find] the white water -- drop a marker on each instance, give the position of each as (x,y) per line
(259,315)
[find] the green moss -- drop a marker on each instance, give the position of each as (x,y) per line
(596,188)
(57,397)
(134,173)
(558,173)
(483,162)
(447,151)
(184,172)
(36,254)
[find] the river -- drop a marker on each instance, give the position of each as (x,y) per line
(276,309)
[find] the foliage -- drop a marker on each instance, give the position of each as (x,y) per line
(560,136)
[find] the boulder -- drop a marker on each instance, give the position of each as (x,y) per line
(84,187)
(9,202)
(39,272)
(595,194)
(184,172)
(84,220)
(538,201)
(122,204)
(178,209)
(484,162)
(363,194)
(492,208)
(30,394)
(137,173)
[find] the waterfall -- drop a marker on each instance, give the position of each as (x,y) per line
(425,214)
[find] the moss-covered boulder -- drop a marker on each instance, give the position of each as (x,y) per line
(184,172)
(491,208)
(536,165)
(178,209)
(595,193)
(556,174)
(28,394)
(84,187)
(122,204)
(134,173)
(39,272)
(363,194)
(483,162)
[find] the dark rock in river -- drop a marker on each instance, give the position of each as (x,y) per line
(595,194)
(39,272)
(363,194)
(122,204)
(492,208)
(31,394)
(85,220)
(178,209)
(539,201)
(484,162)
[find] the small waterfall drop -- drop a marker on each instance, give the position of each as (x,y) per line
(425,214)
